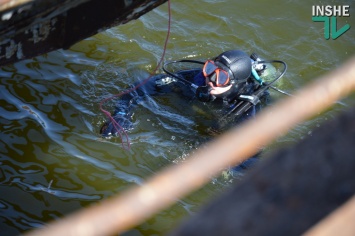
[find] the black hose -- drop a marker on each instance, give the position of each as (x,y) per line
(275,61)
(178,76)
(281,91)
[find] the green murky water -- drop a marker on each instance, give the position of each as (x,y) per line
(52,161)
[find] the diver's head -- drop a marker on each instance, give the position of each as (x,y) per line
(227,72)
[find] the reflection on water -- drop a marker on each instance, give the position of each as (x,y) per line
(52,159)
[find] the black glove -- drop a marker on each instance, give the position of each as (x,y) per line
(203,93)
(124,120)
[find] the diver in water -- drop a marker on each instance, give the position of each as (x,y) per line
(227,81)
(231,82)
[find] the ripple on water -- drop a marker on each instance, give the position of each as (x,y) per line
(52,158)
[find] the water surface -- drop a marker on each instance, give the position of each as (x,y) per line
(53,161)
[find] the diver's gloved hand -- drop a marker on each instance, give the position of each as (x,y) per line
(124,121)
(203,94)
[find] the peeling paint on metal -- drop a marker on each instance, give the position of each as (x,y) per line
(19,53)
(11,49)
(41,31)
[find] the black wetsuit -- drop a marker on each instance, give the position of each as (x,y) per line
(162,84)
(156,86)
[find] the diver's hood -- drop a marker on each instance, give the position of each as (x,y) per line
(237,63)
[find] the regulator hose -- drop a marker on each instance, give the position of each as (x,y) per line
(178,76)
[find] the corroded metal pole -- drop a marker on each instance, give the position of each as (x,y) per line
(132,207)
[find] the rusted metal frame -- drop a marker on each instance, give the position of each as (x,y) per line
(24,16)
(132,207)
(60,25)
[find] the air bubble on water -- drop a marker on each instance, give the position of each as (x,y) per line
(173,137)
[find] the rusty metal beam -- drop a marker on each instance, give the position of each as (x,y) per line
(31,28)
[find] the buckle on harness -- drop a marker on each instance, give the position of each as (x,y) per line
(164,81)
(250,98)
